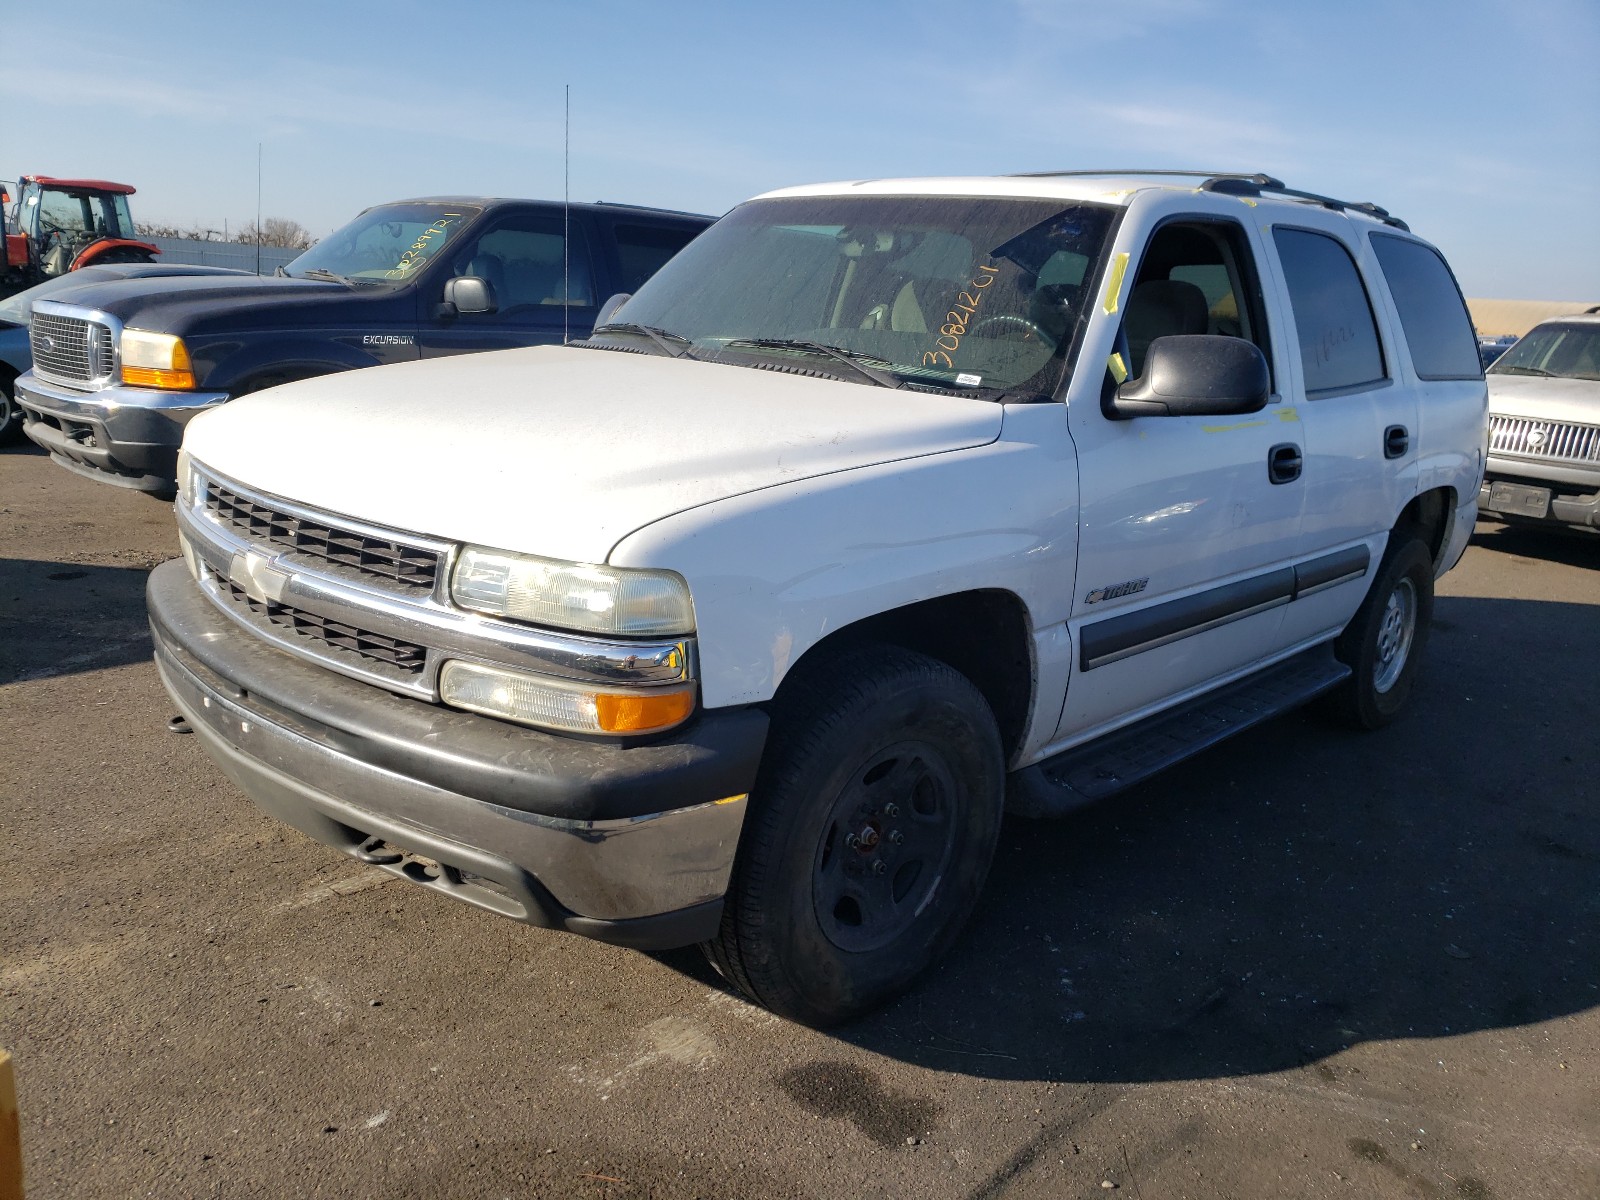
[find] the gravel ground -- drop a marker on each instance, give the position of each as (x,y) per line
(1309,963)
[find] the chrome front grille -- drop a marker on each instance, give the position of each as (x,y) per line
(407,659)
(371,602)
(1554,441)
(385,561)
(71,349)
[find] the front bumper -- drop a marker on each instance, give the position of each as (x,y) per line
(121,435)
(1580,510)
(627,844)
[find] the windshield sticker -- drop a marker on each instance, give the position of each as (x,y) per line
(966,379)
(422,247)
(958,318)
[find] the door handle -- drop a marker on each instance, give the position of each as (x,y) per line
(1284,463)
(1396,441)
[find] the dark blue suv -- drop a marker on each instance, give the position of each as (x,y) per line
(120,369)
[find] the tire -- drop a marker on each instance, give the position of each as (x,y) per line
(1384,641)
(10,413)
(123,254)
(869,835)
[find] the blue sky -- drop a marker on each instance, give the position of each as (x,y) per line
(1478,121)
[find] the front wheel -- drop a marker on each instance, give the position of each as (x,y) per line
(1383,643)
(869,835)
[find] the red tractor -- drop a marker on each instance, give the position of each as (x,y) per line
(59,225)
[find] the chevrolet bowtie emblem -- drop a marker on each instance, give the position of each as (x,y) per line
(260,581)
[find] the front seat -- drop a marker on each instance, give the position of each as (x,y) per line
(491,270)
(1162,308)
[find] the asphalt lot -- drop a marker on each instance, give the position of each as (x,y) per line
(1310,963)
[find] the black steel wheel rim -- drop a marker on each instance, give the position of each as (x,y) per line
(886,846)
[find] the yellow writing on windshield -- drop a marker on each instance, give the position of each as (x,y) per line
(958,318)
(422,247)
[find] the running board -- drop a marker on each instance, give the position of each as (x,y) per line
(1119,760)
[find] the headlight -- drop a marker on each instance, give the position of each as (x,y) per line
(556,704)
(589,599)
(157,360)
(186,478)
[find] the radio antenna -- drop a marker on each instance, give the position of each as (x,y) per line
(566,216)
(258,208)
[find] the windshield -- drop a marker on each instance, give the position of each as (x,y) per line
(389,244)
(1569,351)
(944,291)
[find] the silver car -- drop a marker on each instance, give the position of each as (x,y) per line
(1544,426)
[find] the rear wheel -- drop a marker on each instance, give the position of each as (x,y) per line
(869,835)
(1383,643)
(122,254)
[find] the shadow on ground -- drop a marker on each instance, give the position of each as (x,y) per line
(58,618)
(1570,547)
(1302,889)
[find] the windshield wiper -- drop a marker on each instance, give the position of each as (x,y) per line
(323,273)
(1526,371)
(672,344)
(848,357)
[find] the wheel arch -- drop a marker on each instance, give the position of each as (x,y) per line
(1428,515)
(984,634)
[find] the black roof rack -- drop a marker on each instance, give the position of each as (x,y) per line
(1241,183)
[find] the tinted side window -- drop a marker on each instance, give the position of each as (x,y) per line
(1432,313)
(1338,336)
(524,260)
(642,250)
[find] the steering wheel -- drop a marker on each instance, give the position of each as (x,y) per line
(1007,325)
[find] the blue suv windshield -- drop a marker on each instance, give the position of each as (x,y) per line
(386,245)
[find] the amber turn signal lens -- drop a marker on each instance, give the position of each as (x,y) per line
(642,712)
(155,377)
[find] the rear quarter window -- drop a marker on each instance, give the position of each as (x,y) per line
(1433,315)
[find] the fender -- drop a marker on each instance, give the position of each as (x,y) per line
(96,250)
(775,571)
(271,354)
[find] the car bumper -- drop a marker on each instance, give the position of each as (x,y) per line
(628,844)
(1532,500)
(121,435)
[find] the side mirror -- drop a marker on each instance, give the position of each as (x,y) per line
(468,294)
(609,308)
(1195,375)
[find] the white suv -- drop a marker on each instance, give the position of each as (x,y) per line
(884,507)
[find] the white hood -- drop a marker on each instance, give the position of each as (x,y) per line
(1542,398)
(563,452)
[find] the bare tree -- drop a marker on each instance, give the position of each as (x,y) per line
(194,232)
(276,231)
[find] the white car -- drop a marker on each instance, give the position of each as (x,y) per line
(1544,426)
(884,506)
